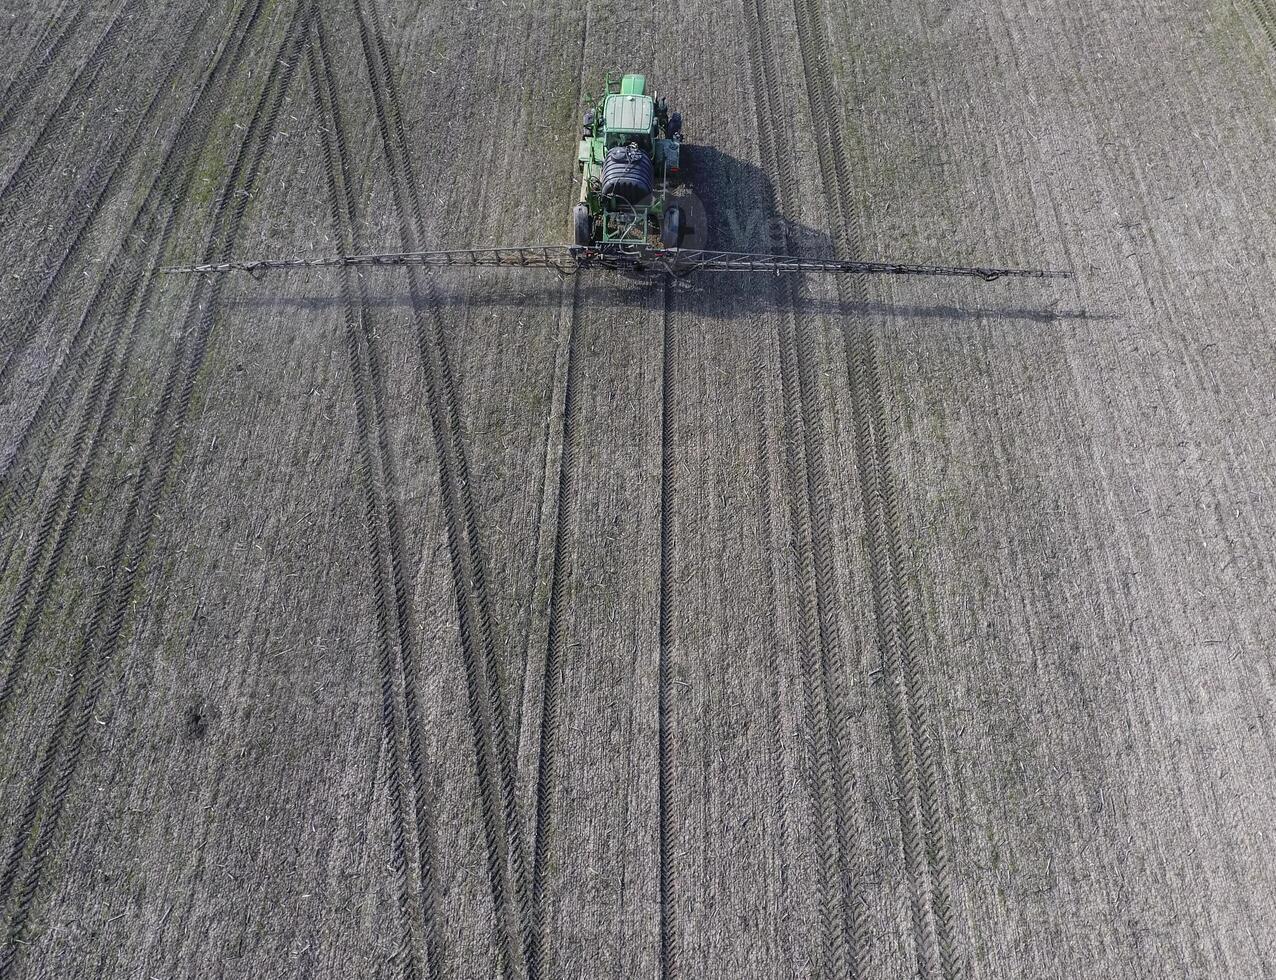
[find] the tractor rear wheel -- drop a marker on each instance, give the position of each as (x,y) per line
(671,228)
(582,226)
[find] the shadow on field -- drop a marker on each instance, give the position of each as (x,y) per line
(728,204)
(720,300)
(731,206)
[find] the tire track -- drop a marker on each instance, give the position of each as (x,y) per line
(62,511)
(916,767)
(502,826)
(169,186)
(86,206)
(1265,17)
(844,937)
(841,945)
(376,473)
(774,668)
(765,82)
(57,508)
(60,757)
(561,547)
(57,396)
(83,80)
(557,642)
(669,944)
(34,66)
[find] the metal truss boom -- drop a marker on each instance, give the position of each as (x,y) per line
(567,259)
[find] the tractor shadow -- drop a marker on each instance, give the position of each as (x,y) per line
(732,206)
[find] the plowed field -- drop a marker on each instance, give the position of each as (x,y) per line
(480,623)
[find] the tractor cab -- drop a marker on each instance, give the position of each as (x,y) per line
(629,119)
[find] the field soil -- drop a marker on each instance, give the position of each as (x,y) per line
(480,623)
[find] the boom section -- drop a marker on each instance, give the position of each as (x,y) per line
(675,262)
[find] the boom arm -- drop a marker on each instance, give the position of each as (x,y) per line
(674,262)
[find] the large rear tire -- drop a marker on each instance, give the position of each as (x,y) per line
(582,227)
(671,228)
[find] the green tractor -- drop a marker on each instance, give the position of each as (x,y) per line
(629,149)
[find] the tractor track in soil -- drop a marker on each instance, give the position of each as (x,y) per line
(844,942)
(916,767)
(83,80)
(58,394)
(396,643)
(41,820)
(669,945)
(61,510)
(507,871)
(765,83)
(148,224)
(87,207)
(762,374)
(40,57)
(556,634)
(557,641)
(1266,18)
(82,338)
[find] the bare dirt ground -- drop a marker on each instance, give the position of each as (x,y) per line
(492,623)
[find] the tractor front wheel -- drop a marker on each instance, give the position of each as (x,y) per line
(671,228)
(582,226)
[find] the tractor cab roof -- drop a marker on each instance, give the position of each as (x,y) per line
(628,113)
